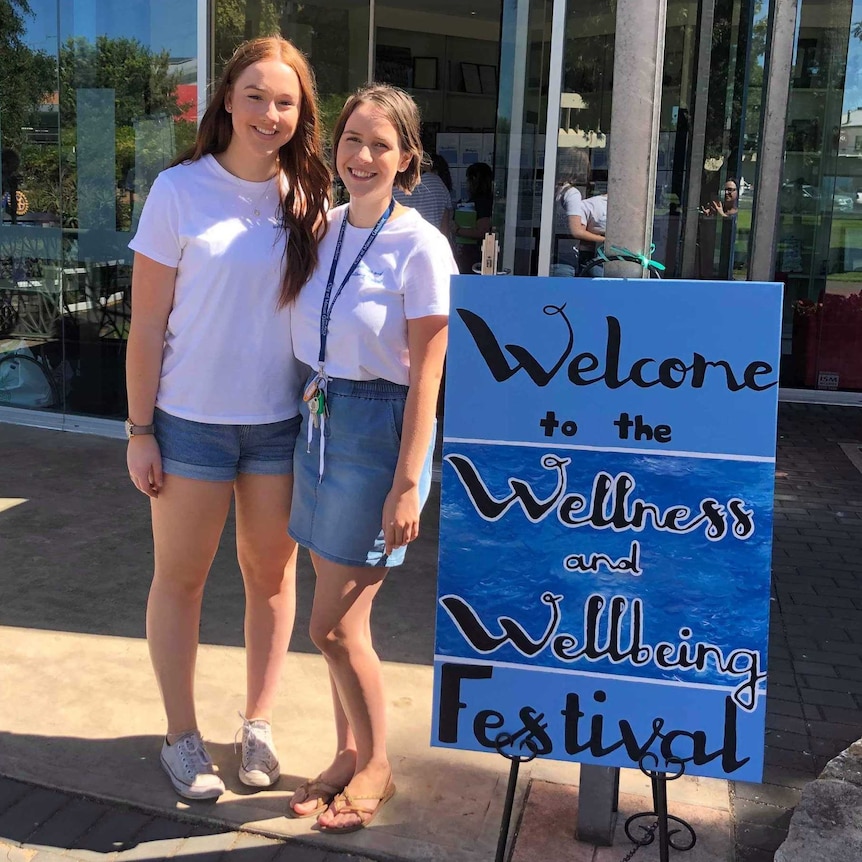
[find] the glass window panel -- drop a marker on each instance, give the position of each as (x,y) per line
(333,34)
(32,368)
(127,106)
(820,241)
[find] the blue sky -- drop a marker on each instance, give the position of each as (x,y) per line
(162,24)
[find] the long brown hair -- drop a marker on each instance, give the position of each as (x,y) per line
(305,196)
(399,108)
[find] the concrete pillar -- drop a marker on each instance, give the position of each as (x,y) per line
(638,69)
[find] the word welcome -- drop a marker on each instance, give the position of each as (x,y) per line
(586,369)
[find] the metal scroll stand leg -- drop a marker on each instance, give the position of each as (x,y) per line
(515,761)
(682,838)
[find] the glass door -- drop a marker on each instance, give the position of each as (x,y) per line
(103,96)
(32,363)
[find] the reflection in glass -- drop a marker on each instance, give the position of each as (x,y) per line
(32,369)
(127,97)
(820,234)
(333,35)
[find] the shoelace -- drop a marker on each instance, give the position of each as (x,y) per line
(193,754)
(260,735)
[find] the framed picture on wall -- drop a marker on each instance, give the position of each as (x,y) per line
(472,82)
(425,73)
(488,80)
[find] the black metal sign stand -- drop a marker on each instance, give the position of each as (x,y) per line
(683,837)
(515,761)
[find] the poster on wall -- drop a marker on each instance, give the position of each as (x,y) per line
(606,521)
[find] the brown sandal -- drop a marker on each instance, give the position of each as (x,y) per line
(315,788)
(343,803)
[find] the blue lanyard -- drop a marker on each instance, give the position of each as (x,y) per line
(327,306)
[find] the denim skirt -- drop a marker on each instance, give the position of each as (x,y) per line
(339,515)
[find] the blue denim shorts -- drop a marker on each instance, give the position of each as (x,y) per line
(217,453)
(339,517)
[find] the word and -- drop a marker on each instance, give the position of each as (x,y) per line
(587,728)
(586,369)
(609,505)
(642,430)
(594,562)
(613,631)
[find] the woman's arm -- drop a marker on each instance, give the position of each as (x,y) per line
(152,299)
(426,343)
(483,226)
(579,231)
(446,223)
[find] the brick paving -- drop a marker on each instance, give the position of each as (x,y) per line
(814,703)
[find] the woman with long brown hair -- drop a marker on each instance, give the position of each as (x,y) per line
(227,238)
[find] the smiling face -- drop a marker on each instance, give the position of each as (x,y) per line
(369,155)
(264,104)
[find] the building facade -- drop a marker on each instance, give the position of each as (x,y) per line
(100,95)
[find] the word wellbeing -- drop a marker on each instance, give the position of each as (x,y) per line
(603,581)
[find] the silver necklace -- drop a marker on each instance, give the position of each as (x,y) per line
(256,205)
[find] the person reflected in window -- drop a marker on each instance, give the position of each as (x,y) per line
(430,198)
(227,238)
(568,196)
(589,226)
(11,163)
(440,166)
(728,205)
(473,217)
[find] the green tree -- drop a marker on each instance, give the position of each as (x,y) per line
(142,80)
(28,76)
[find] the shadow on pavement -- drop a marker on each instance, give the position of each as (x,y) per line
(77,554)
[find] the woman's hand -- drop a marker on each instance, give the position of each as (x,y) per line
(145,464)
(400,520)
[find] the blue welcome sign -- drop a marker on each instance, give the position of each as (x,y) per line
(606,521)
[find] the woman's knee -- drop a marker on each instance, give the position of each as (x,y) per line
(335,641)
(182,583)
(267,569)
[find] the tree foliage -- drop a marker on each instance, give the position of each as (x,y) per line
(142,81)
(28,76)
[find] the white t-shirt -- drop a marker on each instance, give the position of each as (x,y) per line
(567,202)
(403,275)
(430,198)
(594,213)
(228,357)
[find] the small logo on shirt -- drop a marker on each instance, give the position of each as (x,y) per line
(365,272)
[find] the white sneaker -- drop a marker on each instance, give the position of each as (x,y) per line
(190,768)
(259,763)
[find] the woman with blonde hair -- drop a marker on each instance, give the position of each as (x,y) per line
(228,236)
(372,322)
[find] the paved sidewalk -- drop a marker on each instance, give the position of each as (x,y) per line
(814,702)
(75,556)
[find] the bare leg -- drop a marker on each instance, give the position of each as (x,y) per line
(341,629)
(343,765)
(267,557)
(188,519)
